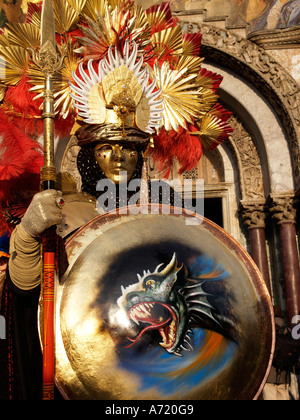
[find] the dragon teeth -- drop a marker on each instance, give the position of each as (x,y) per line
(141,311)
(171,335)
(189,345)
(164,343)
(142,308)
(132,316)
(172,331)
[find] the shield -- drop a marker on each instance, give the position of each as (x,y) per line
(161,306)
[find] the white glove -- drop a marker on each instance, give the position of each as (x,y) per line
(43,212)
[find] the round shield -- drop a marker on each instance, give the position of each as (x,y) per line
(161,306)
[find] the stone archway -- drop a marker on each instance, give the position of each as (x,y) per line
(256,66)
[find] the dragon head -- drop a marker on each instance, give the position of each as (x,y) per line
(157,302)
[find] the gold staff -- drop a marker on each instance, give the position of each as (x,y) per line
(49,61)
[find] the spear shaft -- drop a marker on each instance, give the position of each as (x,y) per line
(49,61)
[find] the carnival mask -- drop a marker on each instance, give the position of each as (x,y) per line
(115,159)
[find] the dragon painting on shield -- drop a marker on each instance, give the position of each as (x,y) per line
(158,302)
(179,328)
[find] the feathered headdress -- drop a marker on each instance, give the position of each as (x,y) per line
(123,66)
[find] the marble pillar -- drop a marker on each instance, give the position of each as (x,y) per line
(254,216)
(283,213)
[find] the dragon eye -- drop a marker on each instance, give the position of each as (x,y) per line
(150,284)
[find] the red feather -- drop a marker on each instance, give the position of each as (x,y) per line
(181,145)
(26,112)
(22,99)
(22,109)
(62,126)
(21,159)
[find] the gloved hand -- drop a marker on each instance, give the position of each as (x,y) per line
(43,212)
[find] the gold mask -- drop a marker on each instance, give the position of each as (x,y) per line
(116,158)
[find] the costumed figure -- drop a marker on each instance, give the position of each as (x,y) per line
(132,86)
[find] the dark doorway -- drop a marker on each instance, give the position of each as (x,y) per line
(212,209)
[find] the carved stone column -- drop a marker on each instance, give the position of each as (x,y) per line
(254,216)
(284,213)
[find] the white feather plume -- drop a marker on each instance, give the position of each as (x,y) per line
(87,87)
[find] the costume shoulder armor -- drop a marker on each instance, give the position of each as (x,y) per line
(78,209)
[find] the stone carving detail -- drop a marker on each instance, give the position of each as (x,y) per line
(258,67)
(277,38)
(282,208)
(251,177)
(253,214)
